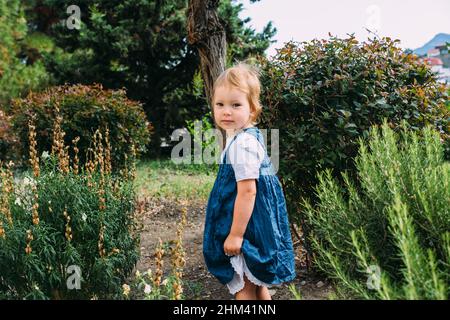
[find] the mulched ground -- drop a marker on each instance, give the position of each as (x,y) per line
(159,218)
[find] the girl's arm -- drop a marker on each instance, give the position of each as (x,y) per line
(243,208)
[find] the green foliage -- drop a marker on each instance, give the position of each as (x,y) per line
(72,231)
(397,222)
(83,109)
(448,99)
(297,295)
(203,134)
(325,94)
(18,73)
(165,179)
(7,138)
(140,45)
(242,42)
(143,288)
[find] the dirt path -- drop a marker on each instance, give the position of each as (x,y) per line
(160,218)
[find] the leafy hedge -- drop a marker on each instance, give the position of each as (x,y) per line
(7,138)
(391,238)
(83,110)
(325,94)
(66,234)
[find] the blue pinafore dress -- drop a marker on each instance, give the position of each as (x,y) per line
(267,246)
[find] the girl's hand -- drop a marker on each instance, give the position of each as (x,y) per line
(232,245)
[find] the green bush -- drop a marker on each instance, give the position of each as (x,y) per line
(325,94)
(7,138)
(83,109)
(398,222)
(448,100)
(205,140)
(20,70)
(54,221)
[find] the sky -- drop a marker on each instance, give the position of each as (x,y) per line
(414,22)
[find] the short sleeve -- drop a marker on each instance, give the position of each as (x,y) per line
(246,155)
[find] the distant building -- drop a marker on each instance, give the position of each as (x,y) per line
(433,61)
(433,53)
(444,75)
(444,55)
(437,66)
(438,59)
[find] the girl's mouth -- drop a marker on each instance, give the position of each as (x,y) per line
(227,121)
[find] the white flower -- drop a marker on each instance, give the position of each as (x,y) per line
(147,289)
(138,274)
(83,216)
(28,181)
(18,202)
(126,289)
(45,155)
(164,283)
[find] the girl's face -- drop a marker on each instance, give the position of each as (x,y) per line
(231,109)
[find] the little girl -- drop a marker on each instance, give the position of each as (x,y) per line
(247,244)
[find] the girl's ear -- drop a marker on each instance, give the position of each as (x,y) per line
(252,113)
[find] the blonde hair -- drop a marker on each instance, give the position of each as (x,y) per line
(244,77)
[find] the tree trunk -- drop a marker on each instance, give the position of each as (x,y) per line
(207,34)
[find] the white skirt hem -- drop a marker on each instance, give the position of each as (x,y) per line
(240,268)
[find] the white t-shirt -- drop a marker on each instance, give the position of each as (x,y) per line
(245,155)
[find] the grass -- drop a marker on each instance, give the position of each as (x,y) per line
(297,295)
(163,178)
(193,289)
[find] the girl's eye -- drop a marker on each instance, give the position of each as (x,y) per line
(236,105)
(219,104)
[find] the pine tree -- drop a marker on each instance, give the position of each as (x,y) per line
(140,45)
